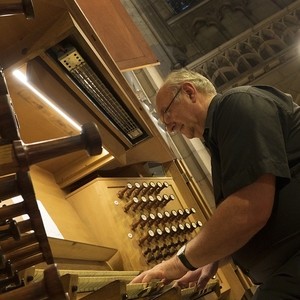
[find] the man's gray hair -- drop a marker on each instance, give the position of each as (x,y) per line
(177,77)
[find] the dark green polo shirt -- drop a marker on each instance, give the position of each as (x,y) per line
(251,131)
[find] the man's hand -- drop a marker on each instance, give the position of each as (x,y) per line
(167,271)
(199,277)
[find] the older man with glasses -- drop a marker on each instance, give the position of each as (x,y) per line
(253,135)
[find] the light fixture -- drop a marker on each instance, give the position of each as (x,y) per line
(22,77)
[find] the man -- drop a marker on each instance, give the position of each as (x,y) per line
(253,135)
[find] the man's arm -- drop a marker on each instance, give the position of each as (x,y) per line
(236,220)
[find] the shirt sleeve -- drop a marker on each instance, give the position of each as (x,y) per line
(250,139)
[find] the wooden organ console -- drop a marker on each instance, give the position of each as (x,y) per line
(143,219)
(148,220)
(25,243)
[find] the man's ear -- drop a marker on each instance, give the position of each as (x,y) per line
(190,90)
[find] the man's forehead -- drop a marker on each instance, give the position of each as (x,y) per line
(160,95)
(161,100)
(163,94)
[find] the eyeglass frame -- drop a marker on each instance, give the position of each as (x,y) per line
(171,102)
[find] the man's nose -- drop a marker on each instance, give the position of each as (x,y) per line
(170,126)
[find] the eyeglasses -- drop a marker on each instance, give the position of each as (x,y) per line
(168,107)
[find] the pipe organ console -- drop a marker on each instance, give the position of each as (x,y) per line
(147,219)
(25,243)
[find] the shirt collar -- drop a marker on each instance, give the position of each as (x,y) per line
(209,117)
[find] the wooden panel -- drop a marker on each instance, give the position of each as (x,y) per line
(118,33)
(113,291)
(61,212)
(104,214)
(16,28)
(38,35)
(65,249)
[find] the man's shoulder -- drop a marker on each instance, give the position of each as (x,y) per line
(259,92)
(246,89)
(235,95)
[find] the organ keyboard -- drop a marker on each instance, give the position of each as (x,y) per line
(84,284)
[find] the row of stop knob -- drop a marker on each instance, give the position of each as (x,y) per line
(162,217)
(173,231)
(142,189)
(159,253)
(170,246)
(150,202)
